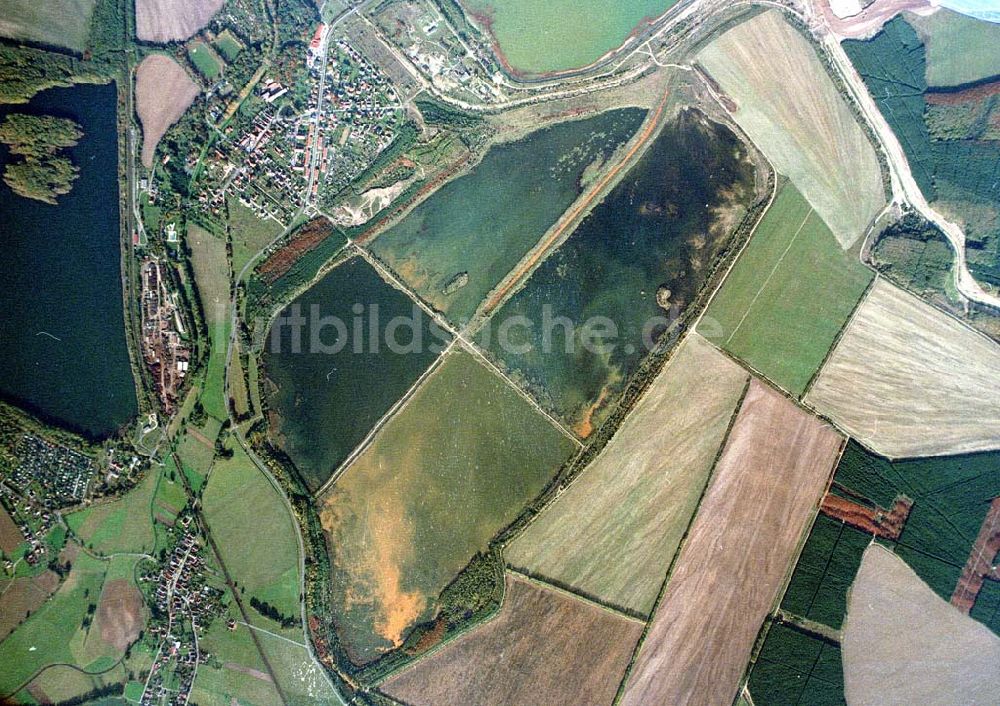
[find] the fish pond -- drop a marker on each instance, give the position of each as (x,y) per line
(585,319)
(333,375)
(63,353)
(462,241)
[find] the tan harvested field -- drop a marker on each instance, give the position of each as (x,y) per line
(903,644)
(119,614)
(22,596)
(734,560)
(908,380)
(612,534)
(171,20)
(543,648)
(792,111)
(163,91)
(10,535)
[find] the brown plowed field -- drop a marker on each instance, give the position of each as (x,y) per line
(10,535)
(543,648)
(874,520)
(163,91)
(119,614)
(758,505)
(172,20)
(903,644)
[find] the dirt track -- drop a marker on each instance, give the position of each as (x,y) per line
(172,20)
(163,91)
(770,477)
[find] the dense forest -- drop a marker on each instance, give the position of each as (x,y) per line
(39,168)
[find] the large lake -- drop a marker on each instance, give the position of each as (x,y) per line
(63,354)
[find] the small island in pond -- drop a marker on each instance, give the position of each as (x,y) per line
(38,167)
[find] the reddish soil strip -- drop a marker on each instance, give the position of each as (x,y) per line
(10,535)
(874,520)
(969,95)
(200,438)
(979,565)
(543,648)
(255,673)
(306,238)
(569,219)
(739,548)
(120,614)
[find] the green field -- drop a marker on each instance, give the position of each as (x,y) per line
(223,680)
(249,234)
(960,49)
(789,294)
(254,532)
(456,465)
(299,676)
(204,59)
(537,37)
(228,45)
(484,222)
(797,668)
(122,525)
(53,634)
(62,23)
(211,273)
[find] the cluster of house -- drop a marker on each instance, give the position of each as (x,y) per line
(361,114)
(51,474)
(33,522)
(164,345)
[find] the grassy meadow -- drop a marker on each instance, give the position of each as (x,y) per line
(211,273)
(788,296)
(452,468)
(960,49)
(61,23)
(248,233)
(259,547)
(538,37)
(122,525)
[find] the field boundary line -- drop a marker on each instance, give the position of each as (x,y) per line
(767,281)
(397,406)
(623,684)
(573,595)
(272,634)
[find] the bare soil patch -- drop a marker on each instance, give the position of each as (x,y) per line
(163,91)
(903,644)
(10,535)
(758,505)
(908,380)
(172,20)
(543,648)
(119,614)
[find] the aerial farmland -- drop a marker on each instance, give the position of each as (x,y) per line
(500,353)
